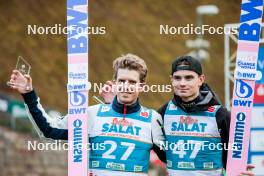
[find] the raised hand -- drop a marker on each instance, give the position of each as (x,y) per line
(248,172)
(107,92)
(21,83)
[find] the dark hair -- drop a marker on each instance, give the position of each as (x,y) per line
(186,63)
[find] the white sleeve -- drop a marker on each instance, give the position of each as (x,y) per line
(92,113)
(157,129)
(158,137)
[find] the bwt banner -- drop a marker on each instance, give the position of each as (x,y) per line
(245,75)
(256,150)
(77,42)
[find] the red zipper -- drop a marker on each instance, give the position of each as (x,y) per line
(125,111)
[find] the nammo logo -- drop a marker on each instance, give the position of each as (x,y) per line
(77,140)
(239,135)
(243,90)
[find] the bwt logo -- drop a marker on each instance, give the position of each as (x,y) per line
(247,75)
(77,111)
(77,141)
(77,87)
(242,103)
(242,90)
(77,98)
(250,31)
(239,134)
(77,42)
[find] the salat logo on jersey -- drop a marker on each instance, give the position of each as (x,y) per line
(123,122)
(188,124)
(122,126)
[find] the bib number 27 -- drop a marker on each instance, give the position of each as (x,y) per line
(108,154)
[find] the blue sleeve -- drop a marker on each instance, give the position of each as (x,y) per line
(31,99)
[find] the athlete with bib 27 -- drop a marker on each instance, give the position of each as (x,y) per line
(124,130)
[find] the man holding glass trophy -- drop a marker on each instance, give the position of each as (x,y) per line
(22,71)
(22,82)
(127,129)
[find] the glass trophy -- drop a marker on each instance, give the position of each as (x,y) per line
(24,68)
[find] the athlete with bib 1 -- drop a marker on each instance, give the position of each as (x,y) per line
(127,130)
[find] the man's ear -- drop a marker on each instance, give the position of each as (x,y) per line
(202,79)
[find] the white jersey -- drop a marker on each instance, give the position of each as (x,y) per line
(128,140)
(193,141)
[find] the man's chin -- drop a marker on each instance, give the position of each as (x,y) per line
(125,100)
(183,95)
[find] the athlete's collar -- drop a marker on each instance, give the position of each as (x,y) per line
(177,99)
(190,106)
(118,107)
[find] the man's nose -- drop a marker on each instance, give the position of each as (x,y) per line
(126,85)
(182,82)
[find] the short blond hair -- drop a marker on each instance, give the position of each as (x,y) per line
(131,62)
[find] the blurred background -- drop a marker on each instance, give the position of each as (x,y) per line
(131,27)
